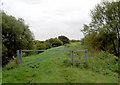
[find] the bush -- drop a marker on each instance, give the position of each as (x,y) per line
(41,46)
(108,61)
(64,39)
(54,42)
(47,44)
(4,55)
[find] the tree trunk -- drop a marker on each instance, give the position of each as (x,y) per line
(118,43)
(114,46)
(119,47)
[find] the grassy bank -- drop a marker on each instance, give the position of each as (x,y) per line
(102,67)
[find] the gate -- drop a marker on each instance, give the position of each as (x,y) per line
(75,55)
(19,55)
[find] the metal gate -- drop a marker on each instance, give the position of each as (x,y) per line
(19,55)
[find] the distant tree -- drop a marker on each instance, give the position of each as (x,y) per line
(55,42)
(40,46)
(15,36)
(48,45)
(64,39)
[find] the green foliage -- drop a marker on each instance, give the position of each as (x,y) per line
(109,61)
(44,45)
(4,55)
(74,40)
(64,39)
(103,31)
(41,46)
(85,30)
(48,45)
(15,35)
(55,42)
(104,63)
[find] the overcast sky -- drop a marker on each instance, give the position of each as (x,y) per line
(52,18)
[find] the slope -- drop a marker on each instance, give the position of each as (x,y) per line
(57,68)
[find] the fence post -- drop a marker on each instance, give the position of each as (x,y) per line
(72,57)
(18,56)
(86,55)
(21,56)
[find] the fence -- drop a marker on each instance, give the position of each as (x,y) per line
(19,55)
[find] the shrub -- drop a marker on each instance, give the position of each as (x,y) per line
(47,44)
(108,60)
(64,39)
(41,46)
(54,42)
(4,55)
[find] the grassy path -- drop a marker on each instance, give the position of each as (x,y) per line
(55,69)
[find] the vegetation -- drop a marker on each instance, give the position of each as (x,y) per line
(102,39)
(52,42)
(40,45)
(64,39)
(55,42)
(75,40)
(15,36)
(103,31)
(102,67)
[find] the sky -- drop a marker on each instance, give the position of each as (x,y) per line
(52,18)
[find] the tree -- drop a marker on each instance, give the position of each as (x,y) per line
(48,45)
(85,30)
(105,23)
(55,42)
(15,35)
(64,39)
(41,46)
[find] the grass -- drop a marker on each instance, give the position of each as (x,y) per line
(58,68)
(0,75)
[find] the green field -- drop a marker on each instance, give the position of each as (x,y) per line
(101,68)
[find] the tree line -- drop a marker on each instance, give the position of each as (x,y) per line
(16,35)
